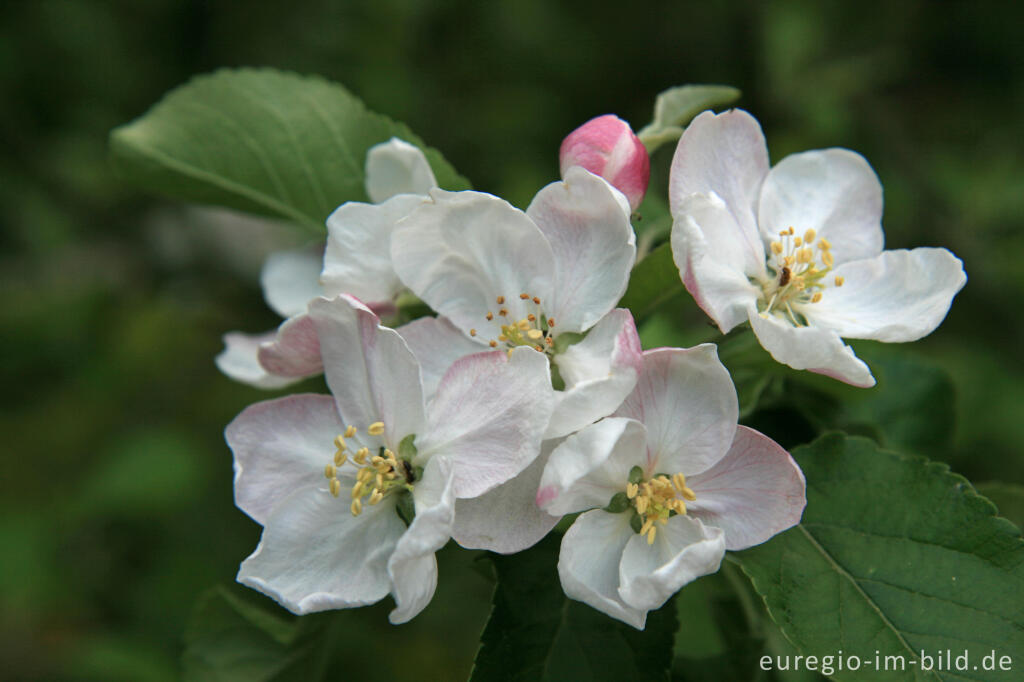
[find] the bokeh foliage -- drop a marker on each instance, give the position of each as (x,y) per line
(116,510)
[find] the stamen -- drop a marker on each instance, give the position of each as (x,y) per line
(340,458)
(524,296)
(536,299)
(330,472)
(816,297)
(494,344)
(503,312)
(809,236)
(535,334)
(839,281)
(472,332)
(350,431)
(335,487)
(376,428)
(339,442)
(776,248)
(356,507)
(500,300)
(489,316)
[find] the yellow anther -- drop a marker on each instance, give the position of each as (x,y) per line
(824,244)
(339,442)
(524,296)
(551,322)
(500,300)
(330,472)
(523,325)
(536,299)
(641,504)
(389,455)
(335,487)
(839,281)
(797,241)
(339,458)
(816,297)
(631,490)
(535,334)
(502,338)
(826,258)
(361,455)
(679,481)
(679,506)
(364,475)
(789,261)
(357,490)
(489,315)
(689,495)
(790,231)
(503,312)
(376,428)
(356,507)
(350,431)
(776,248)
(376,497)
(472,332)
(809,236)
(377,460)
(379,480)
(648,524)
(650,535)
(493,344)
(804,256)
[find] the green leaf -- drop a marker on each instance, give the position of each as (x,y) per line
(1008,498)
(674,108)
(894,555)
(229,639)
(653,280)
(537,634)
(262,141)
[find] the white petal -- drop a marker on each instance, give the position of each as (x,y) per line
(396,167)
(487,418)
(413,568)
(588,564)
(591,466)
(725,154)
(898,296)
(599,372)
(714,263)
(294,351)
(593,244)
(290,279)
(371,372)
(832,191)
(314,555)
(687,401)
(463,250)
(358,256)
(279,446)
(507,518)
(752,493)
(239,360)
(437,344)
(816,349)
(683,550)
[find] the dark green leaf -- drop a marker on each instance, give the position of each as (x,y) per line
(894,555)
(263,141)
(1008,498)
(537,634)
(653,280)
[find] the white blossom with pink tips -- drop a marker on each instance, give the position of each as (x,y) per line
(796,249)
(356,490)
(357,261)
(666,485)
(546,279)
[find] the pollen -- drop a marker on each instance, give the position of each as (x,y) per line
(489,316)
(839,281)
(472,332)
(500,300)
(796,275)
(376,428)
(656,500)
(350,431)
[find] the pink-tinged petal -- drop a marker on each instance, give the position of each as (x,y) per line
(294,351)
(606,146)
(588,564)
(687,401)
(437,344)
(462,250)
(725,154)
(591,466)
(371,372)
(816,349)
(715,266)
(593,244)
(239,360)
(683,550)
(357,260)
(599,372)
(897,296)
(314,555)
(412,567)
(279,446)
(832,191)
(397,167)
(752,493)
(487,418)
(290,279)
(506,519)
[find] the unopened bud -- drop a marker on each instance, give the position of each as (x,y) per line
(606,146)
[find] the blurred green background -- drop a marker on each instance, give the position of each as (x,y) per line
(116,510)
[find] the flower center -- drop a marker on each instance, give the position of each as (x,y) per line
(534,329)
(798,269)
(653,501)
(376,475)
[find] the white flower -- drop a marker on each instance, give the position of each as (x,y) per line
(796,249)
(357,491)
(671,483)
(502,278)
(356,261)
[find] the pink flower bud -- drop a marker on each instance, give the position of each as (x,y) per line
(606,146)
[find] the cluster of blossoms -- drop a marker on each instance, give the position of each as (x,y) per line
(528,397)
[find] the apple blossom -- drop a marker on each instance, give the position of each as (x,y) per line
(607,146)
(666,485)
(356,491)
(796,249)
(503,278)
(356,262)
